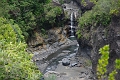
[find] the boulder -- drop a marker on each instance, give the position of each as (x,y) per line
(73,64)
(65,62)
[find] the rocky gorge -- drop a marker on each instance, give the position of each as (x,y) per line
(83,60)
(98,38)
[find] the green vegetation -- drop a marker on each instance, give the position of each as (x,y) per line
(114,72)
(103,62)
(15,62)
(31,14)
(18,20)
(51,12)
(100,14)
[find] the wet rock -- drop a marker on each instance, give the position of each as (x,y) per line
(76,49)
(65,62)
(73,64)
(71,6)
(66,51)
(72,55)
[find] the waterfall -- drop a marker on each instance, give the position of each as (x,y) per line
(72,27)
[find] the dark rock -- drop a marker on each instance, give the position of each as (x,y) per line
(88,6)
(54,45)
(83,75)
(99,37)
(65,62)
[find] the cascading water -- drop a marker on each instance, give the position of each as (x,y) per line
(72,27)
(64,63)
(72,50)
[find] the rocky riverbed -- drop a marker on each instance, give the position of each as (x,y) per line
(64,63)
(79,66)
(58,57)
(79,69)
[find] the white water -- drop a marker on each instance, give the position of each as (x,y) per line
(72,30)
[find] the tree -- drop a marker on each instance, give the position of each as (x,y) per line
(32,14)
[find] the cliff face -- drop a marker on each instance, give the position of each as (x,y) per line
(51,38)
(96,37)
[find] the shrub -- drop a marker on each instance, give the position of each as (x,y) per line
(100,14)
(15,62)
(103,62)
(51,12)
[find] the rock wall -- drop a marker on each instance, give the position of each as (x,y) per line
(96,37)
(52,38)
(56,35)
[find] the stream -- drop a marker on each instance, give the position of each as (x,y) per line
(76,68)
(55,58)
(65,63)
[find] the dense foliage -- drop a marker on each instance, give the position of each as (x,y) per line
(31,14)
(18,18)
(15,62)
(100,14)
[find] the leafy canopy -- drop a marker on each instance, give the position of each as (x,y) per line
(32,14)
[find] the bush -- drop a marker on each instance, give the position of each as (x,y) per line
(51,12)
(15,62)
(103,62)
(100,14)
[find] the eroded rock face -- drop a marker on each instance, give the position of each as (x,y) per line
(97,38)
(88,6)
(71,6)
(54,38)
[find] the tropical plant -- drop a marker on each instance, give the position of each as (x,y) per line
(103,62)
(15,62)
